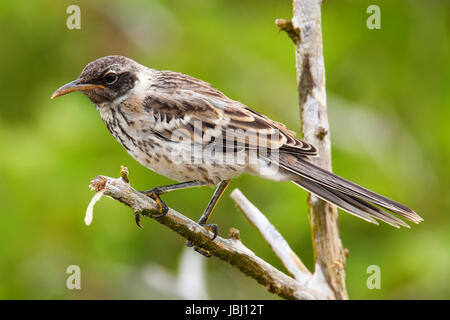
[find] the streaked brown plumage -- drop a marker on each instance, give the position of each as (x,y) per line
(145,109)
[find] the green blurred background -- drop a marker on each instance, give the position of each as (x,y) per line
(388,98)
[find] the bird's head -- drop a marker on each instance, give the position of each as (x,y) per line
(104,79)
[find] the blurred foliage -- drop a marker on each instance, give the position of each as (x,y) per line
(389,99)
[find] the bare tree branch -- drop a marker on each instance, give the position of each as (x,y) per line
(230,250)
(275,240)
(281,248)
(305,31)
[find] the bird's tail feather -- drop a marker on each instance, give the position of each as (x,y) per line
(358,208)
(345,194)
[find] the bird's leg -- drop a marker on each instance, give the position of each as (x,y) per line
(172,187)
(211,205)
(207,213)
(156,192)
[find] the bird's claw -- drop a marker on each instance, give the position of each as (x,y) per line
(163,208)
(163,211)
(215,230)
(137,218)
(203,252)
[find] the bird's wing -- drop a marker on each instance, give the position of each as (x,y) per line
(194,109)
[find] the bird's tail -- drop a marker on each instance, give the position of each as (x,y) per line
(345,194)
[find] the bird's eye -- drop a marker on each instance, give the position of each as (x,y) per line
(110,77)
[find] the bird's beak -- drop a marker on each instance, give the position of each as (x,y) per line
(74,86)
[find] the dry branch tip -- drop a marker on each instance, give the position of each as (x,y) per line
(98,183)
(124,174)
(234,234)
(288,27)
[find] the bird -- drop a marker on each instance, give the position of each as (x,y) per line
(186,130)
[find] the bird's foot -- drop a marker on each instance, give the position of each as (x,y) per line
(213,228)
(210,227)
(202,251)
(154,194)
